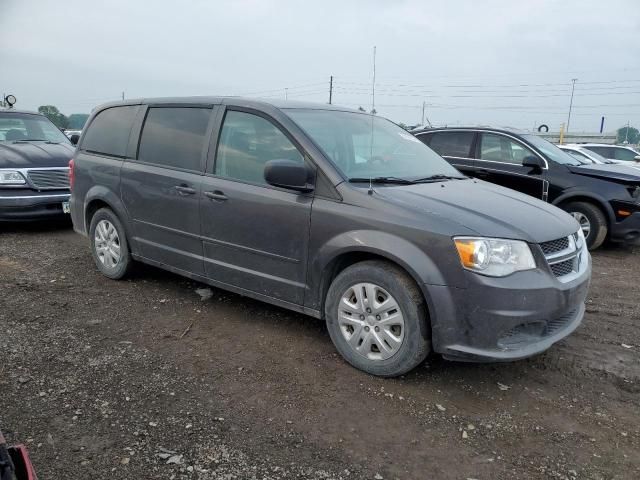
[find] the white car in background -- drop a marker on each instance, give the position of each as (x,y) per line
(615,153)
(584,155)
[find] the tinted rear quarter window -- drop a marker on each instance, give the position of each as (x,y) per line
(452,144)
(109,131)
(174,137)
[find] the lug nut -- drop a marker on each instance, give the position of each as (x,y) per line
(377,329)
(366,329)
(368,310)
(361,317)
(377,317)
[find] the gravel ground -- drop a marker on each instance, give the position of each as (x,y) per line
(143,379)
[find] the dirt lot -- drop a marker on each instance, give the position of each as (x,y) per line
(142,379)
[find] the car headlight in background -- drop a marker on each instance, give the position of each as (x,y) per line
(11,177)
(494,257)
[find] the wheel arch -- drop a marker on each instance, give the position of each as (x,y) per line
(589,198)
(101,197)
(342,253)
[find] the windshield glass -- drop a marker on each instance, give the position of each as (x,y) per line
(595,156)
(366,146)
(581,157)
(551,151)
(15,127)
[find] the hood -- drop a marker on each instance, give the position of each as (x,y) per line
(616,172)
(485,209)
(35,155)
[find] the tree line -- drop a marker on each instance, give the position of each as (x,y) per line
(74,121)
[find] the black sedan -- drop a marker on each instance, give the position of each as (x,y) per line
(34,167)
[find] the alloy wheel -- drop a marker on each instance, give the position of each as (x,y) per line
(584,222)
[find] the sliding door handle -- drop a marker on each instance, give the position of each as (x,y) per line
(184,190)
(216,195)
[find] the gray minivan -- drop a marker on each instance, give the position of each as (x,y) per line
(334,213)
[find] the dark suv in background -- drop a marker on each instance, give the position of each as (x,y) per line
(34,167)
(604,199)
(334,213)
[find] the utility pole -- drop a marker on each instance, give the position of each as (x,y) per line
(424,104)
(373,85)
(286,93)
(626,133)
(330,89)
(122,95)
(573,86)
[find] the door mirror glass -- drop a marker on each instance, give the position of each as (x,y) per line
(533,162)
(288,174)
(74,138)
(637,158)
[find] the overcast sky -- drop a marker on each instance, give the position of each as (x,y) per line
(505,63)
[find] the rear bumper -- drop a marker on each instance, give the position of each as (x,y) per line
(505,319)
(18,206)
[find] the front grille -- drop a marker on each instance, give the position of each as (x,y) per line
(564,256)
(555,245)
(49,179)
(563,268)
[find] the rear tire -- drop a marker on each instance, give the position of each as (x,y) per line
(109,245)
(377,318)
(592,220)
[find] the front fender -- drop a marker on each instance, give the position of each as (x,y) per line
(396,249)
(578,195)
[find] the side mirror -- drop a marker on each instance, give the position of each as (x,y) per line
(533,162)
(74,138)
(288,174)
(637,158)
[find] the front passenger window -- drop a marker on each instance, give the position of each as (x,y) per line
(247,143)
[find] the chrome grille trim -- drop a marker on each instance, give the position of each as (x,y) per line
(48,178)
(565,257)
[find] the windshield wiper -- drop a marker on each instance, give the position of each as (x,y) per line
(437,177)
(393,180)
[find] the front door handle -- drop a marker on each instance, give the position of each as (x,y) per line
(216,195)
(184,190)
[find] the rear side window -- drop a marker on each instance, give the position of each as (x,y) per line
(174,137)
(247,143)
(624,154)
(109,131)
(606,152)
(452,144)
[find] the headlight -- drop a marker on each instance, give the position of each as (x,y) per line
(11,177)
(493,256)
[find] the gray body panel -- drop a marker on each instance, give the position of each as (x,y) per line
(280,246)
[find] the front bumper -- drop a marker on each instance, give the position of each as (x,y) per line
(23,204)
(504,319)
(626,229)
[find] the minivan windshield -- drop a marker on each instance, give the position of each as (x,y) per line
(28,127)
(364,147)
(551,151)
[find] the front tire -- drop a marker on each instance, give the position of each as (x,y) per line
(377,318)
(109,245)
(592,220)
